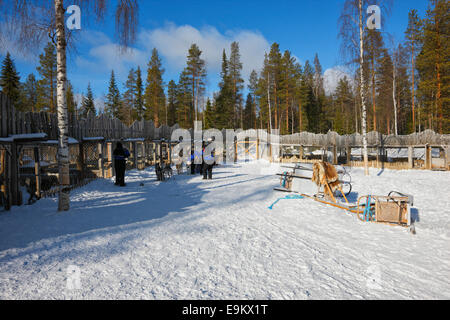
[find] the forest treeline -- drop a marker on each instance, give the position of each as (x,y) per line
(407,87)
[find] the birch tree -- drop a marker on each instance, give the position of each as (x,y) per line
(352,24)
(30,22)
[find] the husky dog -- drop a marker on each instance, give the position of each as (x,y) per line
(31,190)
(179,168)
(167,171)
(325,173)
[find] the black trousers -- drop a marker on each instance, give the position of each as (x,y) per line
(207,171)
(120,166)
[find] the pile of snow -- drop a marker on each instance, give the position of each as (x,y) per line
(192,239)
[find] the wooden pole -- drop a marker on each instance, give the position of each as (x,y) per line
(37,171)
(410,157)
(335,158)
(235,151)
(349,155)
(428,157)
(257,148)
(101,172)
(379,151)
(135,154)
(109,172)
(447,157)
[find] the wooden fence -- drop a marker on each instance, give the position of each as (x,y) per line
(14,122)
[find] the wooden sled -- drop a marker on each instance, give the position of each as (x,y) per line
(391,209)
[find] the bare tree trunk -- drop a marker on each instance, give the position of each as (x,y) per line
(268,99)
(413,95)
(394,76)
(363,99)
(63,145)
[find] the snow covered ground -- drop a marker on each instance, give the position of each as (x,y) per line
(193,239)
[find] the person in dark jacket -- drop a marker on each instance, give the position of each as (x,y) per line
(208,164)
(120,158)
(192,166)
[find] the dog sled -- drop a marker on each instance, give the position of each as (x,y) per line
(307,180)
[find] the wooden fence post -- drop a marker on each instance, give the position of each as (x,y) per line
(37,171)
(410,157)
(235,151)
(14,169)
(349,155)
(428,164)
(135,154)
(101,172)
(257,148)
(447,157)
(335,158)
(109,172)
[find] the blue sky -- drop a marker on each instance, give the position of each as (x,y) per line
(303,27)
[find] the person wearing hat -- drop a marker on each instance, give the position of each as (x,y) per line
(120,159)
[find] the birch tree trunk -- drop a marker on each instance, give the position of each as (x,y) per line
(363,99)
(394,79)
(63,145)
(268,99)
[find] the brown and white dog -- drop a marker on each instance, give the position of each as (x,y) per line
(179,167)
(325,173)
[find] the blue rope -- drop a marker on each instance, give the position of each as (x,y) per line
(289,197)
(368,211)
(283,183)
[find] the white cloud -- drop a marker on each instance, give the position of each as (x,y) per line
(173,43)
(332,76)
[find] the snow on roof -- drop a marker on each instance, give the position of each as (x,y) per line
(71,141)
(27,136)
(93,138)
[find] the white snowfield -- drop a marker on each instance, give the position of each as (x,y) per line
(192,239)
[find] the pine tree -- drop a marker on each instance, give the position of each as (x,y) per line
(403,91)
(249,113)
(274,73)
(154,99)
(290,74)
(47,83)
(112,103)
(185,106)
(128,112)
(373,55)
(70,98)
(433,64)
(253,87)
(195,75)
(384,87)
(29,90)
(235,68)
(10,80)
(413,42)
(343,112)
(139,100)
(224,101)
(87,103)
(209,115)
(171,103)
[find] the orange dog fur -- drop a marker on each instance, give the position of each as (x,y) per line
(325,173)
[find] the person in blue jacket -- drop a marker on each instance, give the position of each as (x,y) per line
(120,159)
